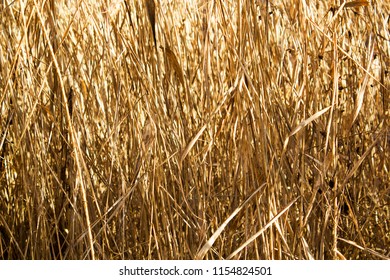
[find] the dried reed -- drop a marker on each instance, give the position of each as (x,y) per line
(262,134)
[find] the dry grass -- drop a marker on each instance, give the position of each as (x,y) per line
(249,130)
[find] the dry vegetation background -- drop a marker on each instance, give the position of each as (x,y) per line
(252,130)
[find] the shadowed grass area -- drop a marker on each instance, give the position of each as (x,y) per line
(194,129)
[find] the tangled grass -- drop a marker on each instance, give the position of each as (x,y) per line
(194,129)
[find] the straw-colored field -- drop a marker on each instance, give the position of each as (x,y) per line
(204,129)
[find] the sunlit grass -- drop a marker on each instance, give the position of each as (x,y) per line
(237,129)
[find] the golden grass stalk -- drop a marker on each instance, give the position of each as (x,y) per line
(106,154)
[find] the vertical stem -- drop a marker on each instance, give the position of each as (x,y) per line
(73,137)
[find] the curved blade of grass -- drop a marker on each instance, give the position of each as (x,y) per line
(172,58)
(303,124)
(362,90)
(206,247)
(192,143)
(262,230)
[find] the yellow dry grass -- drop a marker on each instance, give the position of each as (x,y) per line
(194,129)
